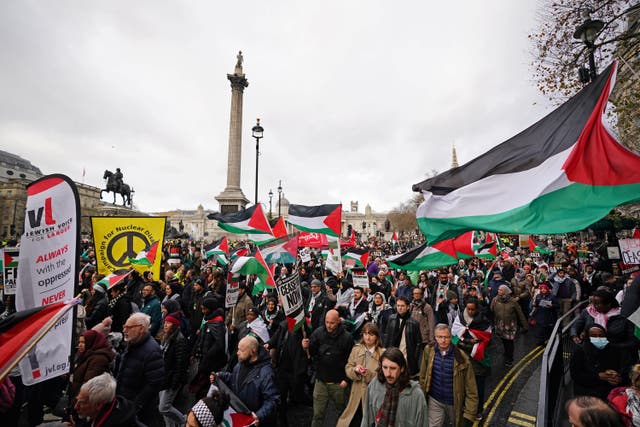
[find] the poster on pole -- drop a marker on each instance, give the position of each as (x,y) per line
(48,270)
(10,270)
(233,291)
(360,278)
(629,251)
(305,255)
(289,290)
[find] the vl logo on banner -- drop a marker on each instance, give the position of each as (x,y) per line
(118,240)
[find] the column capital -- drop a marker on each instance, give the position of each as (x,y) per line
(238,81)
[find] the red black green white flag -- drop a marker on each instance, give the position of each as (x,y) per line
(426,257)
(113,279)
(539,249)
(359,255)
(219,249)
(248,221)
(560,175)
(246,265)
(146,257)
(325,219)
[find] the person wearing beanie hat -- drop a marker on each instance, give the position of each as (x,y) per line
(449,309)
(210,348)
(496,280)
(176,360)
(544,313)
(507,315)
(97,307)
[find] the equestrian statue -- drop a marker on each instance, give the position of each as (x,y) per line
(115,185)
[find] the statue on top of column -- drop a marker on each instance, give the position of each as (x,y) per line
(239,62)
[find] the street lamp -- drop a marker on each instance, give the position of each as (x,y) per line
(279,197)
(588,32)
(257,134)
(270,197)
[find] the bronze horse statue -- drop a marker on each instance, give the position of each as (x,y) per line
(112,186)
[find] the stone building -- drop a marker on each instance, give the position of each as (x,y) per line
(368,224)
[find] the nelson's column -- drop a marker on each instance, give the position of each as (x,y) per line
(232,199)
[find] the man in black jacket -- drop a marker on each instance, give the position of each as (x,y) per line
(404,332)
(141,373)
(330,347)
(97,403)
(210,348)
(319,303)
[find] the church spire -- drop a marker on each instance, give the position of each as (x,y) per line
(454,158)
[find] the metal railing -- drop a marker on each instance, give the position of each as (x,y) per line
(554,371)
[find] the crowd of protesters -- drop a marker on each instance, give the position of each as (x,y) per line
(403,350)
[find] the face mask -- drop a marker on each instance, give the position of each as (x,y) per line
(599,342)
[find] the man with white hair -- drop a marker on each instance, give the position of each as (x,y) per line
(141,373)
(98,405)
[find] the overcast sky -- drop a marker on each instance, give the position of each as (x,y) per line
(358,99)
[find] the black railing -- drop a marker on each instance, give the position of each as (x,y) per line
(554,372)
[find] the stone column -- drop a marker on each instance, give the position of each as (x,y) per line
(232,198)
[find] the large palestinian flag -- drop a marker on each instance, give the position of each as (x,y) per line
(248,221)
(145,257)
(281,251)
(359,256)
(560,175)
(219,249)
(325,219)
(246,265)
(278,229)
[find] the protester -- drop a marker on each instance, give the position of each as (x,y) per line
(393,399)
(507,315)
(329,347)
(97,405)
(141,372)
(151,307)
(97,305)
(448,380)
(422,313)
(119,307)
(361,368)
(588,411)
(94,358)
(319,304)
(238,313)
(209,351)
(544,314)
(626,400)
(176,358)
(403,332)
(379,312)
(253,381)
(208,411)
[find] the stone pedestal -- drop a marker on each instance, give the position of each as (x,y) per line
(232,199)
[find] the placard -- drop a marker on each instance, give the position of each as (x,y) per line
(613,252)
(629,251)
(290,293)
(10,271)
(360,278)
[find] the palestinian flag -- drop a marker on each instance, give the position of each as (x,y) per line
(10,260)
(325,219)
(278,228)
(248,221)
(560,175)
(539,249)
(296,321)
(463,245)
(219,249)
(21,331)
(425,257)
(478,352)
(394,239)
(360,256)
(281,251)
(237,414)
(635,233)
(348,243)
(145,257)
(246,265)
(113,279)
(487,250)
(238,253)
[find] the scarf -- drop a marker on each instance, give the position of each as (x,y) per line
(633,406)
(386,416)
(114,301)
(602,318)
(467,319)
(402,322)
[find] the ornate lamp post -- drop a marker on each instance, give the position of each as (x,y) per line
(256,131)
(588,32)
(270,197)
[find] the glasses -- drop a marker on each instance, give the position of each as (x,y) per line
(131,326)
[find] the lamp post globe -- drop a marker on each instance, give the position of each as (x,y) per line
(587,32)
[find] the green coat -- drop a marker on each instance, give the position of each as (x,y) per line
(465,391)
(412,406)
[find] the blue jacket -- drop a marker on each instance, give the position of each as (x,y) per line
(258,390)
(152,308)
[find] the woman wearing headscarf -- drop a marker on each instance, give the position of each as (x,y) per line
(94,358)
(507,315)
(172,291)
(361,368)
(596,367)
(379,312)
(97,305)
(272,315)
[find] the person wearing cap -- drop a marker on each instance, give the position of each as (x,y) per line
(209,351)
(507,315)
(176,359)
(97,304)
(544,313)
(318,305)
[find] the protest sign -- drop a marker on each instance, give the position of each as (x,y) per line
(360,278)
(629,251)
(10,270)
(290,294)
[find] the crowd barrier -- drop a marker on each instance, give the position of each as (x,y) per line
(554,371)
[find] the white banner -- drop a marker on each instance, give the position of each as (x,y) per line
(10,270)
(231,298)
(629,251)
(360,278)
(47,269)
(290,293)
(305,255)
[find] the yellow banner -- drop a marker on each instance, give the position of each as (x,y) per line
(116,239)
